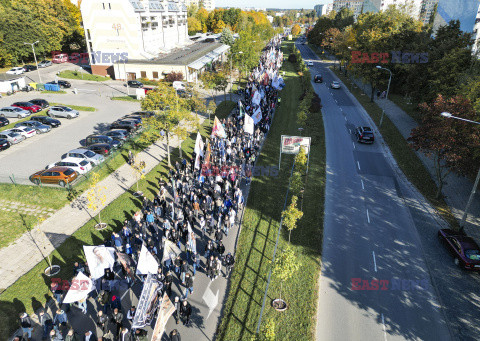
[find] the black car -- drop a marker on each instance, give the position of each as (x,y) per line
(100,148)
(4,121)
(4,144)
(318,79)
(136,119)
(54,123)
(135,84)
(62,84)
(28,68)
(122,124)
(40,102)
(94,139)
(364,134)
(117,134)
(143,113)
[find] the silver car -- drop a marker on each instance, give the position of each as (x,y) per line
(62,111)
(39,127)
(85,154)
(45,63)
(14,112)
(12,136)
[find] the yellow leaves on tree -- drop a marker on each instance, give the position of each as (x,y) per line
(96,196)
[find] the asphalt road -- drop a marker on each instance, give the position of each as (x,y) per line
(369,236)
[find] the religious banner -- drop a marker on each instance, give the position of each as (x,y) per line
(257,115)
(127,263)
(249,124)
(165,310)
(218,129)
(99,258)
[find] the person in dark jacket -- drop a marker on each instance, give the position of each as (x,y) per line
(188,285)
(45,320)
(26,325)
(168,282)
(117,318)
(102,299)
(175,335)
(125,335)
(220,248)
(177,305)
(183,271)
(72,336)
(208,249)
(140,335)
(102,323)
(211,264)
(185,312)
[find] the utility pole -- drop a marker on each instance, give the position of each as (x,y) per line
(35,57)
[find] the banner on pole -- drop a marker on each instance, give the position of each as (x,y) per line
(81,286)
(292,144)
(165,310)
(199,145)
(249,124)
(257,115)
(218,129)
(146,263)
(99,258)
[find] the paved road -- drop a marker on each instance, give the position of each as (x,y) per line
(369,234)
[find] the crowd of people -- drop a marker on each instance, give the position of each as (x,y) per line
(195,208)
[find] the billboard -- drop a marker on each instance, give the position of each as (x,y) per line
(292,144)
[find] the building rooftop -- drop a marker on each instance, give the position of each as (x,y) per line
(6,77)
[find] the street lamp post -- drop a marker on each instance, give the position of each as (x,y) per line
(477,179)
(388,90)
(35,57)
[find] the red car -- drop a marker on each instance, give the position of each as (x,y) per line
(27,106)
(464,249)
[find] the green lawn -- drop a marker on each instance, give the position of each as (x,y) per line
(53,92)
(12,122)
(224,109)
(76,107)
(411,108)
(406,158)
(69,74)
(259,233)
(31,290)
(129,98)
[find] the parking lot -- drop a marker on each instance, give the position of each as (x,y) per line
(23,159)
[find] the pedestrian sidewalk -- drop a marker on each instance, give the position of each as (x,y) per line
(456,189)
(31,248)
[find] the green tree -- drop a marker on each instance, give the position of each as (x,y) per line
(291,215)
(227,37)
(194,25)
(296,30)
(285,266)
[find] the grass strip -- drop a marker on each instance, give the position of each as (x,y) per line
(129,98)
(406,158)
(259,231)
(69,74)
(31,291)
(53,92)
(224,109)
(76,107)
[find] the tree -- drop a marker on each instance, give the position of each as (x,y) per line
(202,16)
(218,26)
(291,215)
(194,25)
(449,142)
(285,266)
(96,198)
(296,29)
(172,115)
(139,168)
(174,76)
(227,37)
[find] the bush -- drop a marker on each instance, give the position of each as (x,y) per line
(146,81)
(292,58)
(174,76)
(316,103)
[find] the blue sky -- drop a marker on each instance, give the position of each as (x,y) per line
(307,4)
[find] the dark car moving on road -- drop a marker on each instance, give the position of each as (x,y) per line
(318,79)
(464,249)
(364,134)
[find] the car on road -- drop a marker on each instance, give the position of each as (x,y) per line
(4,121)
(84,154)
(4,144)
(100,148)
(28,68)
(463,248)
(310,63)
(79,166)
(123,124)
(61,84)
(15,71)
(39,127)
(40,102)
(335,85)
(14,112)
(54,175)
(318,79)
(45,63)
(117,134)
(11,136)
(93,139)
(135,84)
(62,111)
(27,106)
(364,135)
(25,131)
(52,122)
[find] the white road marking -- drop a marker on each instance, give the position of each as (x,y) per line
(384,328)
(353,145)
(368,216)
(363,187)
(350,131)
(345,118)
(341,108)
(374,261)
(358,164)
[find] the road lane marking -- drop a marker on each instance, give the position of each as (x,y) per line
(345,118)
(384,329)
(363,187)
(358,164)
(350,131)
(353,145)
(374,261)
(368,216)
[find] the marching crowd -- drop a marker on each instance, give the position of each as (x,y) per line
(195,209)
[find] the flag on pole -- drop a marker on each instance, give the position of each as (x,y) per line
(81,286)
(248,127)
(242,110)
(218,129)
(257,115)
(165,310)
(197,161)
(146,262)
(199,145)
(170,250)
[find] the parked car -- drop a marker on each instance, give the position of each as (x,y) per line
(318,79)
(178,85)
(54,175)
(135,84)
(27,106)
(4,144)
(40,102)
(4,121)
(364,134)
(47,121)
(60,58)
(45,63)
(132,117)
(11,136)
(25,131)
(93,139)
(79,166)
(335,85)
(117,134)
(14,112)
(61,84)
(15,71)
(464,249)
(122,124)
(100,148)
(85,154)
(28,68)
(39,127)
(143,113)
(310,63)
(62,111)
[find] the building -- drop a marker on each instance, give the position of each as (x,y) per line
(11,83)
(427,10)
(323,7)
(209,5)
(413,6)
(463,10)
(355,5)
(476,33)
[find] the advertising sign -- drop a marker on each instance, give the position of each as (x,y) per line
(292,144)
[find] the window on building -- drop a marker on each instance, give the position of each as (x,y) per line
(109,6)
(103,4)
(143,74)
(155,75)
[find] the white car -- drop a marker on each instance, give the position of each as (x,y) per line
(25,131)
(310,63)
(62,111)
(15,71)
(11,136)
(335,85)
(78,165)
(14,112)
(84,154)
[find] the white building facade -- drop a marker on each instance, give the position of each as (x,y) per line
(209,5)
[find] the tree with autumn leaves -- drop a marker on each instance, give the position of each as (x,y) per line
(452,144)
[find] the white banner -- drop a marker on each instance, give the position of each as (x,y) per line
(249,124)
(165,310)
(146,263)
(170,250)
(256,98)
(292,144)
(79,289)
(99,258)
(257,115)
(199,145)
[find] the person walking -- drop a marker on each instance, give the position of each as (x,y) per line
(168,282)
(195,262)
(102,323)
(131,313)
(125,335)
(175,335)
(117,319)
(45,320)
(185,312)
(220,249)
(229,261)
(208,249)
(140,335)
(211,264)
(218,266)
(102,299)
(60,319)
(72,336)
(188,285)
(26,325)
(177,305)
